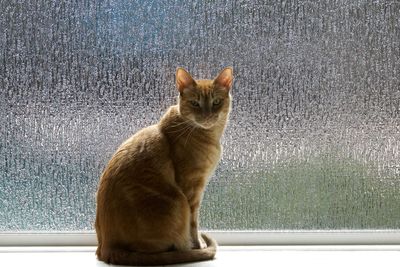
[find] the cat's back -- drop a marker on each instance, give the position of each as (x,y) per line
(146,143)
(147,151)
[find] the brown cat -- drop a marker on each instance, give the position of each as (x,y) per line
(150,192)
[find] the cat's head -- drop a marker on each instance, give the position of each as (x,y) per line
(204,102)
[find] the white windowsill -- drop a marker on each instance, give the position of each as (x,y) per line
(251,248)
(227,256)
(224,238)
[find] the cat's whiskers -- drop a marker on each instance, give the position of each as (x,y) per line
(179,124)
(185,130)
(189,135)
(182,124)
(180,129)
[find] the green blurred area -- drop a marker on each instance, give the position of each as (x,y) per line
(321,194)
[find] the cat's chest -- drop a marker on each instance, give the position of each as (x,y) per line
(197,161)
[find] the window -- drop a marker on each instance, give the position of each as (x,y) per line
(314,136)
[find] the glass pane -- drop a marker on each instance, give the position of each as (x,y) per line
(314,136)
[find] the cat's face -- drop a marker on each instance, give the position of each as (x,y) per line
(204,102)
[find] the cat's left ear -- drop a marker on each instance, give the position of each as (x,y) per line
(225,78)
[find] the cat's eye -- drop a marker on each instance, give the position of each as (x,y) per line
(217,101)
(195,103)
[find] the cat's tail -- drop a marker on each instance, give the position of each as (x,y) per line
(124,257)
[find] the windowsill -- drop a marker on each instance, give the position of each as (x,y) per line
(226,256)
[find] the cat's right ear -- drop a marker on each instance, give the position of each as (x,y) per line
(184,80)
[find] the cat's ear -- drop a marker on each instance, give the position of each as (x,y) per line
(184,80)
(225,78)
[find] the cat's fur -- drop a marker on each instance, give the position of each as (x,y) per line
(150,192)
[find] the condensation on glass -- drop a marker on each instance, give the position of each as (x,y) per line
(314,136)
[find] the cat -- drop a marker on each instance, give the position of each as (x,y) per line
(150,192)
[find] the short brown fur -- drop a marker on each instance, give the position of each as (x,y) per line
(150,192)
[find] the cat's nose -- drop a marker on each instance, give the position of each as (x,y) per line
(206,113)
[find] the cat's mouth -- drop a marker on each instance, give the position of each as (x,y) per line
(205,123)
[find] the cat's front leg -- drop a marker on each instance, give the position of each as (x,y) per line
(197,240)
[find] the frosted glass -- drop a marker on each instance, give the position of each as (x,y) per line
(314,136)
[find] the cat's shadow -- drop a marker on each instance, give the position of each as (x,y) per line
(212,263)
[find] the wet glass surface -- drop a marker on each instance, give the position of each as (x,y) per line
(314,136)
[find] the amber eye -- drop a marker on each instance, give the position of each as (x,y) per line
(216,102)
(194,103)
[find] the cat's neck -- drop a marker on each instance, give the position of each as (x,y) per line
(177,128)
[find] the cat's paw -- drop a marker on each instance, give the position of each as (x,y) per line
(203,243)
(199,243)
